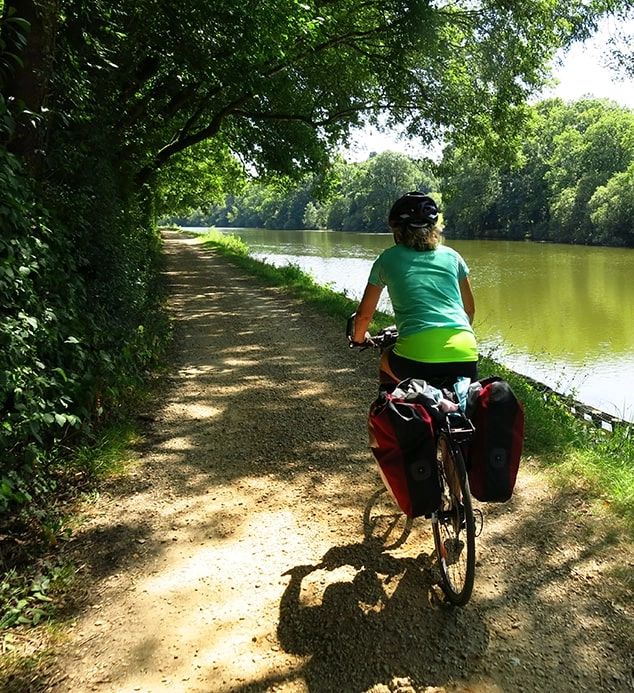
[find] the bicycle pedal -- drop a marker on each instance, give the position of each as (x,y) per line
(444,515)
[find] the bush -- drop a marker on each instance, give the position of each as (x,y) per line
(81,325)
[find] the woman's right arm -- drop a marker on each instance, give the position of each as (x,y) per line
(365,311)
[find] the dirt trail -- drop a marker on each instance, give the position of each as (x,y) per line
(233,558)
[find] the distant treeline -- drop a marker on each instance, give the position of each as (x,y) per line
(572,182)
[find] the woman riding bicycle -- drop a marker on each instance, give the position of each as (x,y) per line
(431,295)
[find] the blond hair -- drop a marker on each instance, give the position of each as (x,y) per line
(420,238)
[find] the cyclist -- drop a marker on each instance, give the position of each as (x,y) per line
(431,295)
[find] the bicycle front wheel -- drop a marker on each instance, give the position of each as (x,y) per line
(454,525)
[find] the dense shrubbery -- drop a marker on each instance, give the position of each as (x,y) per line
(76,332)
(35,391)
(81,319)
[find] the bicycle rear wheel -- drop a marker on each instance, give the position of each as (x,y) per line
(454,525)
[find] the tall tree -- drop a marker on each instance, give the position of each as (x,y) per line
(280,82)
(597,141)
(377,184)
(612,210)
(569,153)
(471,190)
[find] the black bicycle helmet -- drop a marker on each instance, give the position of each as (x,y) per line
(414,209)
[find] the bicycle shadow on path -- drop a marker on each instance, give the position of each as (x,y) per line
(364,615)
(347,615)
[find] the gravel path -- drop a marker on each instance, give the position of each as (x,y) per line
(233,557)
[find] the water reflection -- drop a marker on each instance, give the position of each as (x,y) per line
(561,314)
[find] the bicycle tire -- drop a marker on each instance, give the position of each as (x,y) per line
(454,525)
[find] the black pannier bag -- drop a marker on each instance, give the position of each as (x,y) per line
(403,441)
(494,452)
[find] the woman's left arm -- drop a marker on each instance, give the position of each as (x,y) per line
(468,300)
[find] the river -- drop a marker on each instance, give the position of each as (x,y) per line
(561,314)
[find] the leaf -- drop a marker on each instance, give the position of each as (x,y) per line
(31,321)
(41,597)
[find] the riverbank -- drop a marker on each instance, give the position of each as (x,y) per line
(231,556)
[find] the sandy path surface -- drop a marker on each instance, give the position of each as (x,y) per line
(233,557)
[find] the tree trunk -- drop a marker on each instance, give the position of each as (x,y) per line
(28,86)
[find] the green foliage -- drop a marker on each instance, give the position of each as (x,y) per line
(279,84)
(13,30)
(610,463)
(612,209)
(27,601)
(374,187)
(570,184)
(359,200)
(471,189)
(205,172)
(36,571)
(80,307)
(226,244)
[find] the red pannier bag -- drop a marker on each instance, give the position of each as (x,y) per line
(494,452)
(403,442)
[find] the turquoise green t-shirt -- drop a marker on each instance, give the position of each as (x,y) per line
(425,294)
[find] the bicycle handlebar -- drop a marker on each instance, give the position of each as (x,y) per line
(456,424)
(381,340)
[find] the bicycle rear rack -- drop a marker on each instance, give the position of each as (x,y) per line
(459,427)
